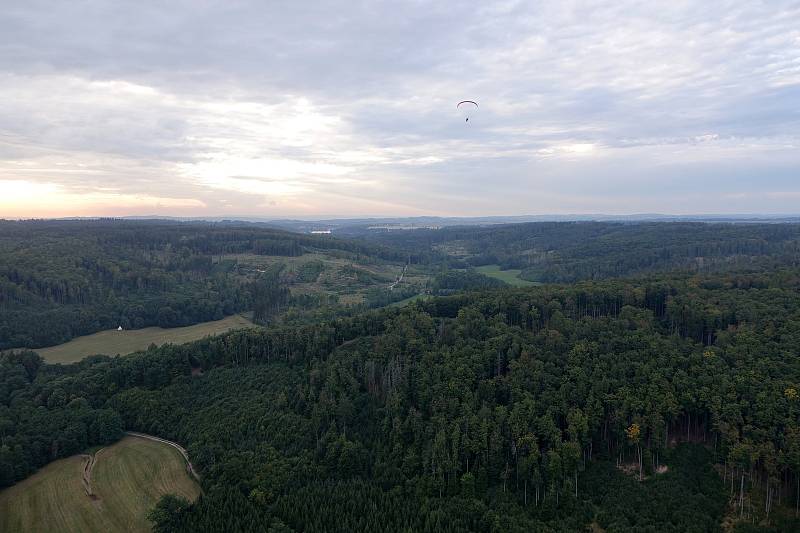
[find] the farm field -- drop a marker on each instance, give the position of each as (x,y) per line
(113,342)
(509,276)
(127,480)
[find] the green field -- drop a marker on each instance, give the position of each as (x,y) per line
(127,480)
(409,300)
(509,276)
(113,342)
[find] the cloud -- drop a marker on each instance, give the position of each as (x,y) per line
(266,108)
(26,199)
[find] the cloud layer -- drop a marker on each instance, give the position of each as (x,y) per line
(346,108)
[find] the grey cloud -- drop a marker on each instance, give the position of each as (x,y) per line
(663,95)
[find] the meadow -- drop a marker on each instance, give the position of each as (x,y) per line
(127,480)
(510,277)
(113,342)
(409,300)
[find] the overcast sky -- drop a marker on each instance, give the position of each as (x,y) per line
(349,108)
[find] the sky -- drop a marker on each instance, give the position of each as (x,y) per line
(314,109)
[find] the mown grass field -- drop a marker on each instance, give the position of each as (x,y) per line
(127,480)
(509,276)
(113,342)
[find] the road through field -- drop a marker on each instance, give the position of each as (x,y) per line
(175,445)
(108,491)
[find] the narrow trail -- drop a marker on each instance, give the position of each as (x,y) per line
(400,279)
(181,449)
(86,478)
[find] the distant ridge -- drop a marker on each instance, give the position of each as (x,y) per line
(492,219)
(344,225)
(333,222)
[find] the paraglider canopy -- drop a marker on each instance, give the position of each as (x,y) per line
(468,108)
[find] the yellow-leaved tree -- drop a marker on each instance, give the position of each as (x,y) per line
(634,433)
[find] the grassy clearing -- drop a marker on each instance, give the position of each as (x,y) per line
(114,342)
(409,300)
(133,474)
(52,499)
(509,276)
(292,264)
(348,279)
(127,480)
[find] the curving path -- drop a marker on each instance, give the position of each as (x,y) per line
(399,279)
(175,445)
(86,478)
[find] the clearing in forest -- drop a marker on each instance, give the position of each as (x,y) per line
(511,277)
(127,480)
(113,342)
(348,278)
(409,300)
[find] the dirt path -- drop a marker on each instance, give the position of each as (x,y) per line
(400,279)
(88,466)
(175,445)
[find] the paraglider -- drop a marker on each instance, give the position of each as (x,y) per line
(468,107)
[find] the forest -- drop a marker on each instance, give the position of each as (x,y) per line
(82,276)
(564,252)
(663,403)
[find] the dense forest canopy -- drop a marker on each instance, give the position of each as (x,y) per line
(501,410)
(79,277)
(569,251)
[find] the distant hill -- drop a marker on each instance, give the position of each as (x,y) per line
(360,225)
(570,251)
(62,279)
